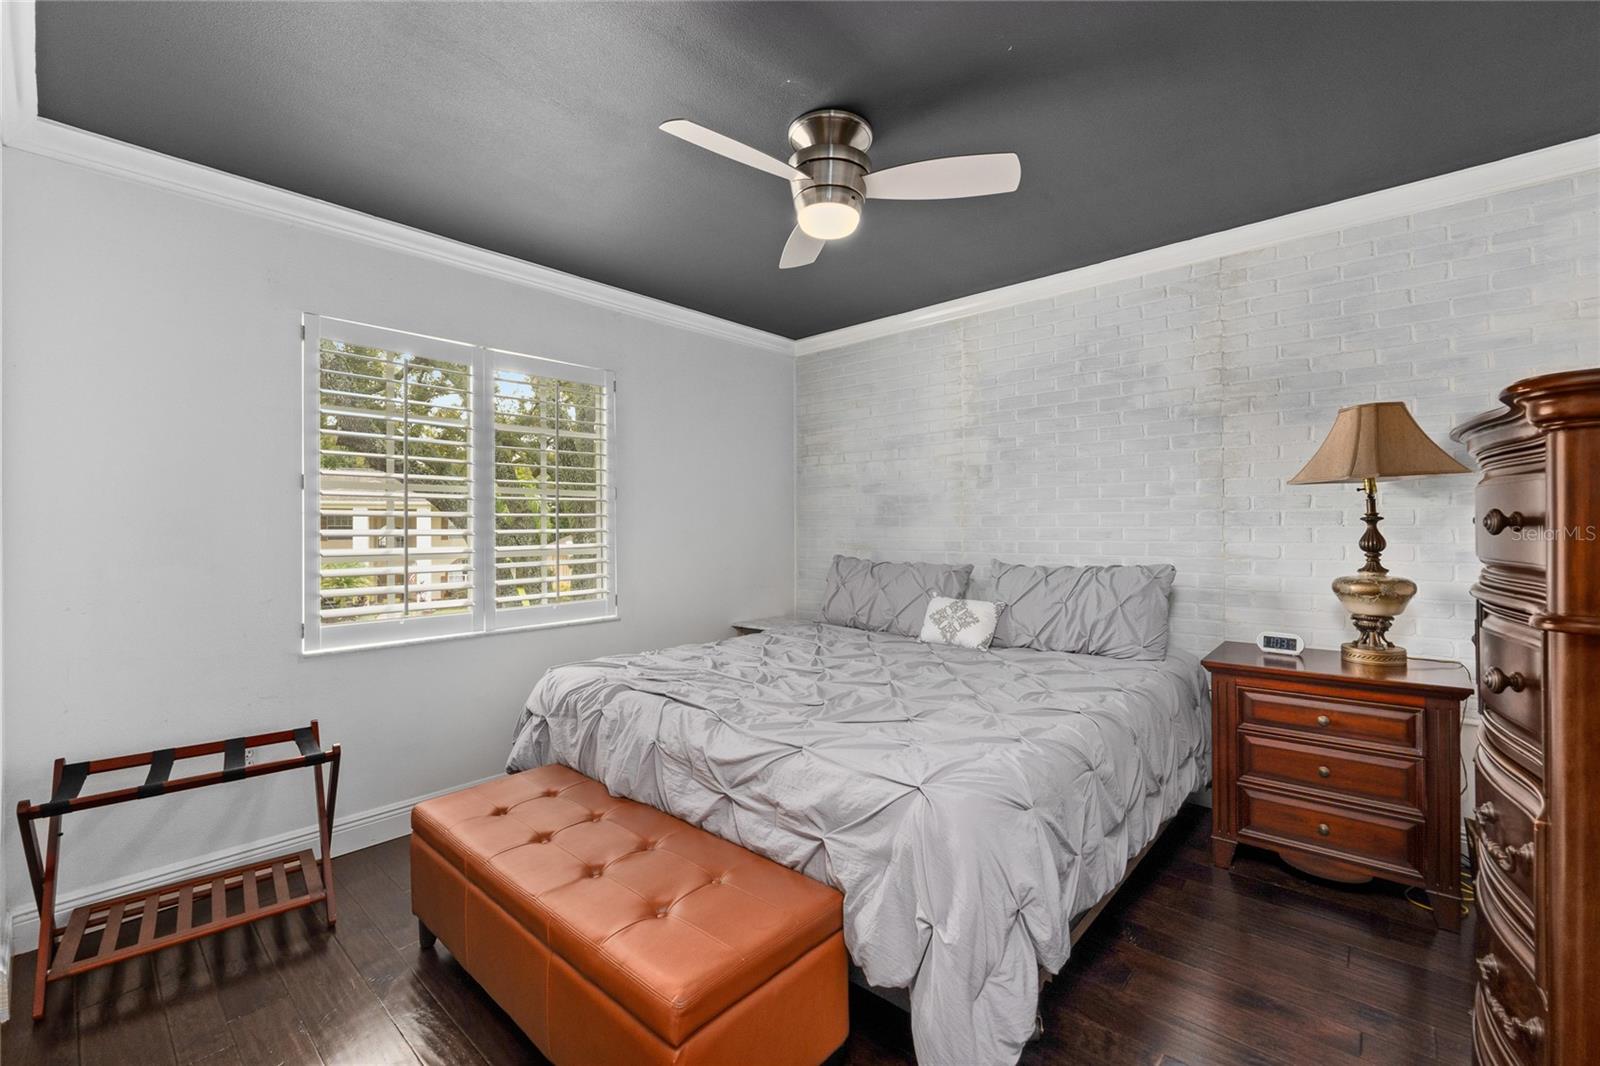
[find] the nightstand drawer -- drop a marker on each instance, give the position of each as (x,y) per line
(1396,779)
(1390,725)
(1343,832)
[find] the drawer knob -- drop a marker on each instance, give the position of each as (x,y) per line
(1322,829)
(1497,521)
(1510,1024)
(1497,681)
(1323,719)
(1323,771)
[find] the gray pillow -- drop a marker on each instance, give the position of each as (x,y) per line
(1116,611)
(888,597)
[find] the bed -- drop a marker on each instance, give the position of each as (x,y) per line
(969,804)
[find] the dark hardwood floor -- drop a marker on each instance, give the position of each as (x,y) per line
(1188,965)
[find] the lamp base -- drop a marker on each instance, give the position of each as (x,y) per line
(1372,595)
(1353,651)
(1374,600)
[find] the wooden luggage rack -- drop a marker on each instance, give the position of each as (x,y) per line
(108,931)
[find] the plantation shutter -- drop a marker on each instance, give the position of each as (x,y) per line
(552,513)
(414,447)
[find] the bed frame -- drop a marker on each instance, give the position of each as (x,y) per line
(1081,924)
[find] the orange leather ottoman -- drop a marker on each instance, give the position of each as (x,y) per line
(614,933)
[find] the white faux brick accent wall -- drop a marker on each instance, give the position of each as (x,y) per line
(1156,420)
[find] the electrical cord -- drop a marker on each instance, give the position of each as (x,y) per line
(1419,899)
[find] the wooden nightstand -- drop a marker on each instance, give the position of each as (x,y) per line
(761,625)
(1347,772)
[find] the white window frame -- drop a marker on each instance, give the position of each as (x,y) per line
(484,617)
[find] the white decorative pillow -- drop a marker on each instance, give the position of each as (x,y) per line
(964,623)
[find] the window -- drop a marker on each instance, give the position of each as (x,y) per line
(451,489)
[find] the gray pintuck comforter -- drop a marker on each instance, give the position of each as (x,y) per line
(968,803)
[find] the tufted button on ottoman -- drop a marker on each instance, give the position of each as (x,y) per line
(614,933)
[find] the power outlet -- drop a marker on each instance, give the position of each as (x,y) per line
(251,756)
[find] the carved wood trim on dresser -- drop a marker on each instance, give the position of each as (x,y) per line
(1538,762)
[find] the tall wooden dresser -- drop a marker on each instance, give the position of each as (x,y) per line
(1538,763)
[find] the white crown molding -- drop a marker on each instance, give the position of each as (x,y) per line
(358,831)
(1543,165)
(22,128)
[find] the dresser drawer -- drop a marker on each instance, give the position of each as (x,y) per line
(1508,804)
(1510,683)
(1510,520)
(1338,831)
(1396,779)
(1511,1020)
(1393,726)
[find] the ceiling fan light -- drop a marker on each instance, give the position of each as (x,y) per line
(828,220)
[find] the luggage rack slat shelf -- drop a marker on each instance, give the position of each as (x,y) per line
(147,909)
(108,931)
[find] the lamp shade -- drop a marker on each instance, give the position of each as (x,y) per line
(1375,440)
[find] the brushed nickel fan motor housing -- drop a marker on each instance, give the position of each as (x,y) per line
(830,148)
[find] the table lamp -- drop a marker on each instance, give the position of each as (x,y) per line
(1367,442)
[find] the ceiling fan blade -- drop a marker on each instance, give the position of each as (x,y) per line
(947,179)
(712,141)
(801,249)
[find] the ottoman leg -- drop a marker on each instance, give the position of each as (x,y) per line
(425,936)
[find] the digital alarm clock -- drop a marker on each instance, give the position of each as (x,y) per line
(1280,644)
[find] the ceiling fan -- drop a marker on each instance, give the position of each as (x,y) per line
(831,177)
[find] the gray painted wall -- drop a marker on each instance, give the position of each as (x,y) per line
(151,446)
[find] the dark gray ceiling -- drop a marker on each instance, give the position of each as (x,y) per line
(531,128)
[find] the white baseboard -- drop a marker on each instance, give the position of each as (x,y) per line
(349,834)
